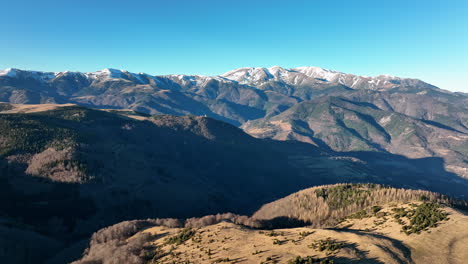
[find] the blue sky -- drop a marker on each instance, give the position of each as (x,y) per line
(422,39)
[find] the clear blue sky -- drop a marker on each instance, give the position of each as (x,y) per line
(426,39)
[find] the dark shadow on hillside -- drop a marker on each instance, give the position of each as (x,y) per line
(174,169)
(282,222)
(395,243)
(361,104)
(353,247)
(440,125)
(145,108)
(182,169)
(423,173)
(41,216)
(356,134)
(54,208)
(365,260)
(362,256)
(373,167)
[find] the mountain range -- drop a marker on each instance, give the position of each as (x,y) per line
(329,109)
(121,146)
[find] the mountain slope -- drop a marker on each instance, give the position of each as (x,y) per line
(237,96)
(175,94)
(386,114)
(303,77)
(114,165)
(118,165)
(395,227)
(345,125)
(328,205)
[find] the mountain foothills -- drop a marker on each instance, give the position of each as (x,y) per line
(338,111)
(82,151)
(344,223)
(66,171)
(115,165)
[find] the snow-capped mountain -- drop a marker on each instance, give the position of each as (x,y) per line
(344,111)
(251,76)
(101,75)
(236,96)
(309,75)
(38,75)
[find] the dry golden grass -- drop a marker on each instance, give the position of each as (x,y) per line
(126,112)
(233,244)
(374,239)
(447,243)
(369,224)
(32,108)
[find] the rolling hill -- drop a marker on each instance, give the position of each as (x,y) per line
(396,226)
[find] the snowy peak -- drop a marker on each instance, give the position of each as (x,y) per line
(115,74)
(311,75)
(248,75)
(106,73)
(101,75)
(196,80)
(317,72)
(10,72)
(17,73)
(253,76)
(276,70)
(111,72)
(69,74)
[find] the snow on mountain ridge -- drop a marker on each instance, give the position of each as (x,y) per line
(107,72)
(10,72)
(252,76)
(308,75)
(290,76)
(14,73)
